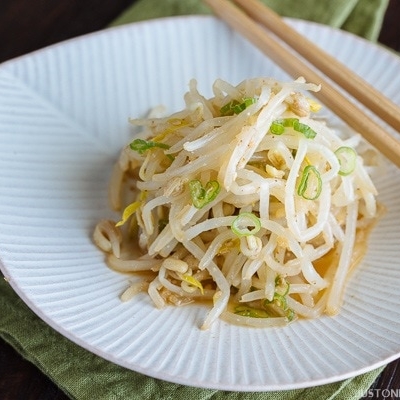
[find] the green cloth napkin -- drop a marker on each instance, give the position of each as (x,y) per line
(361,17)
(83,375)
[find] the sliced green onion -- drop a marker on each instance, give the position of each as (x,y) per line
(251,312)
(289,122)
(305,130)
(290,314)
(248,101)
(203,195)
(244,221)
(311,183)
(282,287)
(278,127)
(281,302)
(347,159)
(141,145)
(235,107)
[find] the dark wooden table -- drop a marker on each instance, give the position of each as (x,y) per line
(27,25)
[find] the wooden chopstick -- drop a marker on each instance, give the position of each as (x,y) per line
(340,104)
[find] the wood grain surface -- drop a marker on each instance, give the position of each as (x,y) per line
(27,25)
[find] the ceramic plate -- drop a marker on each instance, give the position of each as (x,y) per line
(64,117)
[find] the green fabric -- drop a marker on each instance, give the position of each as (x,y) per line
(361,17)
(83,375)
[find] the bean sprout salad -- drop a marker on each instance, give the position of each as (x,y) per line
(246,201)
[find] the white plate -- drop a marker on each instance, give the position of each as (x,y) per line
(63,119)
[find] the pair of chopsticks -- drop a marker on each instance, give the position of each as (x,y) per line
(251,23)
